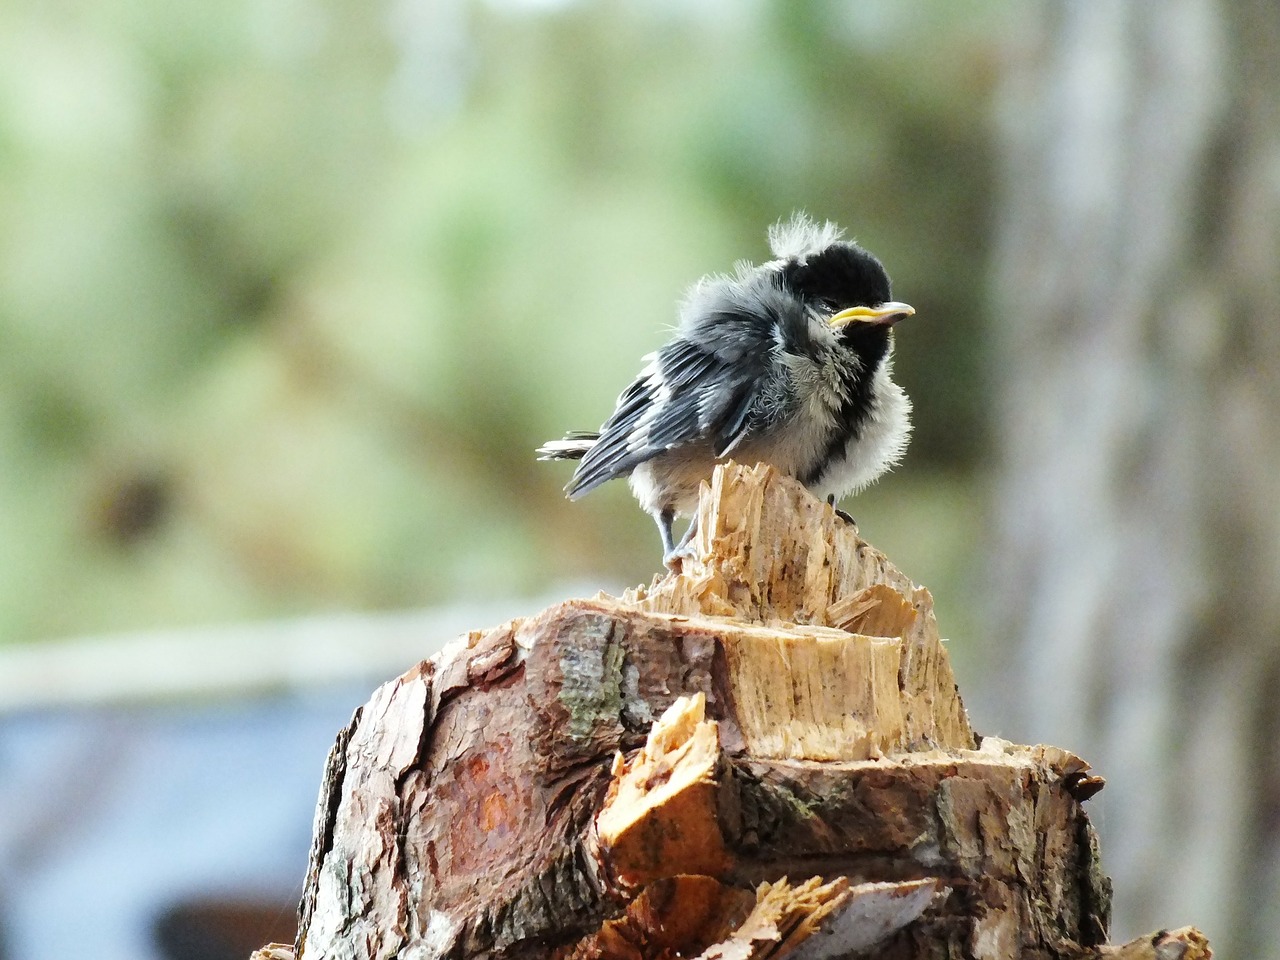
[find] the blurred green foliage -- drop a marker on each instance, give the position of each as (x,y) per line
(289,291)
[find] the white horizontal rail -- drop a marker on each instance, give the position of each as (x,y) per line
(239,659)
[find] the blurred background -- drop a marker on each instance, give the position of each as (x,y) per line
(291,289)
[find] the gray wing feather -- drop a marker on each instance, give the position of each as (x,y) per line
(692,392)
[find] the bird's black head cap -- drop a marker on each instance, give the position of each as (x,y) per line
(835,280)
(839,276)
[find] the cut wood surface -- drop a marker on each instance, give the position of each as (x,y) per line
(762,755)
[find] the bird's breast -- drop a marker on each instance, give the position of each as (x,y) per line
(870,446)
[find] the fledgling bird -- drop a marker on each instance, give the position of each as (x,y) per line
(787,363)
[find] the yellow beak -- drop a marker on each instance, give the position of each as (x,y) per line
(885,315)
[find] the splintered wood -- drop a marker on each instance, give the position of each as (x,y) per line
(824,695)
(767,552)
(762,755)
(661,807)
(818,921)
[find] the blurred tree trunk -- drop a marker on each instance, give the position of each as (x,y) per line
(1138,278)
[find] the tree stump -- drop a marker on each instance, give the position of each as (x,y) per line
(763,755)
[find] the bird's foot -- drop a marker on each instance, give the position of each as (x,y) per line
(831,502)
(674,560)
(682,551)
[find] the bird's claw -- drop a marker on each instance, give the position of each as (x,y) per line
(674,559)
(831,502)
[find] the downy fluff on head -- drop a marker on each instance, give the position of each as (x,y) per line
(802,236)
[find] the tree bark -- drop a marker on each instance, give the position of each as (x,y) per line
(764,755)
(1136,561)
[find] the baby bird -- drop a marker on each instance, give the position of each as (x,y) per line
(787,363)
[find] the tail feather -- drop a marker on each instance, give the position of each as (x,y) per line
(574,446)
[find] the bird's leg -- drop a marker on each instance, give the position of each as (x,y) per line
(689,534)
(831,502)
(664,519)
(681,550)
